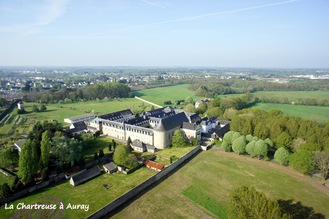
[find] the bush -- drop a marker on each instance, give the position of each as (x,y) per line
(282,156)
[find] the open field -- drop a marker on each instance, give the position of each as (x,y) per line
(294,95)
(319,114)
(61,111)
(213,174)
(160,94)
(91,193)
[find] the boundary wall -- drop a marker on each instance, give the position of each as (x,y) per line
(143,186)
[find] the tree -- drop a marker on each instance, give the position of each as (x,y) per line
(214,112)
(101,153)
(247,202)
(66,150)
(284,140)
(28,161)
(4,191)
(95,156)
(302,161)
(261,148)
(239,145)
(282,156)
(43,108)
(189,99)
(228,137)
(250,148)
(114,144)
(110,146)
(226,146)
(189,108)
(321,161)
(131,162)
(178,139)
(120,154)
(129,141)
(45,150)
(35,108)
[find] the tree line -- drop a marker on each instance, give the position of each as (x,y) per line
(106,90)
(300,143)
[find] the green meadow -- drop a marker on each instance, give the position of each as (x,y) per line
(319,114)
(200,189)
(294,95)
(160,94)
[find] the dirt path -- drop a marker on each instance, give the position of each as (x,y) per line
(315,183)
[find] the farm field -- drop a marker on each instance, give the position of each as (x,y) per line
(319,114)
(294,95)
(160,94)
(91,193)
(206,181)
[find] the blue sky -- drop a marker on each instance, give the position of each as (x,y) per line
(215,33)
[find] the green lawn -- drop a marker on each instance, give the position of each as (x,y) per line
(207,179)
(160,94)
(91,193)
(316,113)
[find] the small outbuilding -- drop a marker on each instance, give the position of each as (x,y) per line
(84,176)
(153,165)
(110,167)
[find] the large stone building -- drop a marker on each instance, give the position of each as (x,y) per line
(155,127)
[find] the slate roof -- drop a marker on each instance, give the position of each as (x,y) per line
(136,120)
(117,115)
(189,126)
(110,166)
(138,143)
(84,176)
(220,132)
(171,122)
(80,118)
(79,126)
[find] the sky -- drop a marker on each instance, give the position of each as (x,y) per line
(212,33)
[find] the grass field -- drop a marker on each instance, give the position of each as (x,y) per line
(319,114)
(160,94)
(61,111)
(91,193)
(294,95)
(210,176)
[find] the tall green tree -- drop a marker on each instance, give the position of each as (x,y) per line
(284,140)
(28,161)
(66,150)
(45,150)
(239,145)
(302,161)
(247,202)
(282,156)
(261,148)
(250,148)
(178,139)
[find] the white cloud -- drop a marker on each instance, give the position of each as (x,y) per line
(41,15)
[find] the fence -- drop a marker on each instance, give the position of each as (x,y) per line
(143,186)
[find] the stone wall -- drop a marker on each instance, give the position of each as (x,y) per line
(143,186)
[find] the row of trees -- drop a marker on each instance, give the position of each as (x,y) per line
(212,87)
(90,92)
(300,152)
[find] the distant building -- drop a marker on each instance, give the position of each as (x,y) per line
(20,106)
